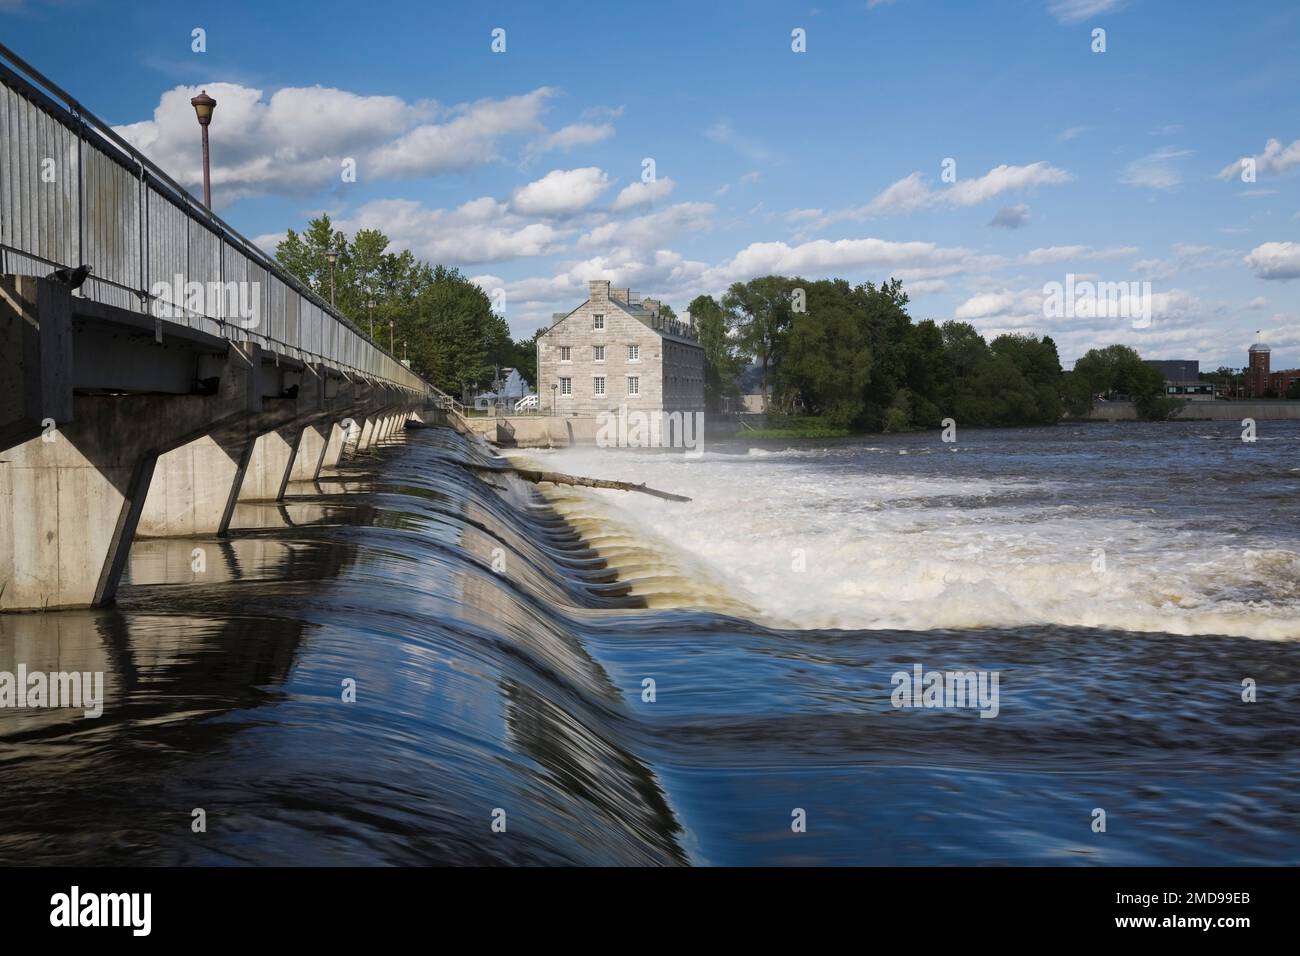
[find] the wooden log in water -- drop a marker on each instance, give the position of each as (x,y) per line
(557,478)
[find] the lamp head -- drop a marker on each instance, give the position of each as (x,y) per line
(203,107)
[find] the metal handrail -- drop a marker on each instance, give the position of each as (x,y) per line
(32,85)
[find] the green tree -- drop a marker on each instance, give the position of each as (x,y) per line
(828,357)
(435,315)
(1118,371)
(761,315)
(721,363)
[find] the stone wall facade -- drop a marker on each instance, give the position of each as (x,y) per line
(666,363)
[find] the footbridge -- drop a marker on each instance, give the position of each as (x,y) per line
(156,367)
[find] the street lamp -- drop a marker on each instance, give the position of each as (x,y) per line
(553,388)
(333,258)
(390,336)
(371,306)
(203,107)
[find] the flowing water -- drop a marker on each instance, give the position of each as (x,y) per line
(516,701)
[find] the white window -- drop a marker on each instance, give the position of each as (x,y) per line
(634,353)
(597,321)
(598,385)
(566,353)
(634,384)
(566,386)
(598,353)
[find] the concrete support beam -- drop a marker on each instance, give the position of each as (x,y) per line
(311,451)
(82,474)
(367,438)
(194,487)
(35,357)
(269,462)
(72,497)
(338,436)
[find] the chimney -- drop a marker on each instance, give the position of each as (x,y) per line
(598,289)
(620,295)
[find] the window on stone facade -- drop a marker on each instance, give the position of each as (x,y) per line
(597,321)
(566,386)
(566,353)
(634,384)
(598,385)
(598,353)
(634,353)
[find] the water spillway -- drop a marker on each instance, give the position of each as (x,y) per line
(502,714)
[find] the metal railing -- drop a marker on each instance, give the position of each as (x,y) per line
(74,192)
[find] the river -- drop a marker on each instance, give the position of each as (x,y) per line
(731,697)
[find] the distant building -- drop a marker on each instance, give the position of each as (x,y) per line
(1281,382)
(1183,379)
(1177,370)
(1257,370)
(509,387)
(617,349)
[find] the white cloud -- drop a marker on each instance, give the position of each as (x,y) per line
(574,135)
(912,192)
(1186,258)
(481,230)
(985,304)
(1275,260)
(468,138)
(1275,159)
(560,192)
(641,193)
(269,241)
(1000,179)
(297,139)
(1072,132)
(1011,217)
(1053,254)
(1076,11)
(820,257)
(652,230)
(1155,170)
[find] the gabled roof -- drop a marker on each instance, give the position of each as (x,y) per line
(644,316)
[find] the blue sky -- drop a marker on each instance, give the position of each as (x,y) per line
(525,168)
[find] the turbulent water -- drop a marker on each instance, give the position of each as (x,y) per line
(1124,581)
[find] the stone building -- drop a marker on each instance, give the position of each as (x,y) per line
(617,350)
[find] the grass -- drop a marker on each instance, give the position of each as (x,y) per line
(795,427)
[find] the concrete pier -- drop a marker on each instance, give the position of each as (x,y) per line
(86,465)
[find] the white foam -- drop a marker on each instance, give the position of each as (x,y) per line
(897,551)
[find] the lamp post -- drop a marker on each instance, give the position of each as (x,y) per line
(553,388)
(370,305)
(390,336)
(333,258)
(203,107)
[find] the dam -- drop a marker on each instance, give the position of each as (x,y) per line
(156,367)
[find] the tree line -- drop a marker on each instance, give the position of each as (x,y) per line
(852,357)
(431,314)
(848,356)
